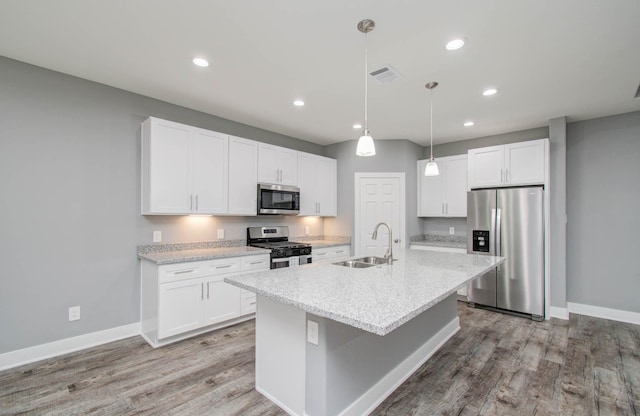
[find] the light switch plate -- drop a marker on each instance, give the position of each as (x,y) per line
(157,236)
(220,233)
(306,230)
(312,332)
(74,313)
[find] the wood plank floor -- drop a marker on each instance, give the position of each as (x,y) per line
(496,365)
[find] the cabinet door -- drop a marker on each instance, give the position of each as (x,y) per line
(524,162)
(243,176)
(287,161)
(209,171)
(486,166)
(268,170)
(179,307)
(309,183)
(430,192)
(222,300)
(455,184)
(166,180)
(327,196)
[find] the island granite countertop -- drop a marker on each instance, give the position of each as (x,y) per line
(376,299)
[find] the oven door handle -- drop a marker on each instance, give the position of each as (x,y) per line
(280,260)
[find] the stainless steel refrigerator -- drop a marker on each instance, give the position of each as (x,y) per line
(508,222)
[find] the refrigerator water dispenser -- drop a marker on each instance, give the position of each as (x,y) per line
(481,241)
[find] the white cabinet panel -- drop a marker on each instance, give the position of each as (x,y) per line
(444,195)
(522,163)
(277,165)
(184,169)
(243,176)
(317,179)
(330,254)
(221,301)
(179,307)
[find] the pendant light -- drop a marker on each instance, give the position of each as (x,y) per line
(365,143)
(432,167)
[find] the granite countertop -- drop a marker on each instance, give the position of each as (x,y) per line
(179,256)
(376,299)
(326,243)
(451,241)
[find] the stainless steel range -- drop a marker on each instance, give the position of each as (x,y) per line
(284,253)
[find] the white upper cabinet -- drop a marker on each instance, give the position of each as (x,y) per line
(184,169)
(522,163)
(444,195)
(277,165)
(243,176)
(317,179)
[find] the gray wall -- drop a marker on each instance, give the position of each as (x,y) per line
(603,206)
(391,156)
(558,225)
(70,202)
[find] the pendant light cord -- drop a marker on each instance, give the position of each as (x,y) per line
(431,117)
(366,84)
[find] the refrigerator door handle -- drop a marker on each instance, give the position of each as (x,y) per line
(492,232)
(497,237)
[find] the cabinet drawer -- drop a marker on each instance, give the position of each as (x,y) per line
(255,262)
(223,266)
(181,271)
(247,302)
(340,252)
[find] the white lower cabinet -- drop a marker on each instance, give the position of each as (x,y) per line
(185,299)
(330,254)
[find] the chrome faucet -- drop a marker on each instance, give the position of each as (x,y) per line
(389,254)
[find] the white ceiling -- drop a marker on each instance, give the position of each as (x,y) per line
(548,58)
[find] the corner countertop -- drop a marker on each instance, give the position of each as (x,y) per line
(376,299)
(450,241)
(199,254)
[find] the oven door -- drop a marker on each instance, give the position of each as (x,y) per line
(278,199)
(279,263)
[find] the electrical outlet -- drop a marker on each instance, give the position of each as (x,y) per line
(220,233)
(157,236)
(74,313)
(452,230)
(312,332)
(306,230)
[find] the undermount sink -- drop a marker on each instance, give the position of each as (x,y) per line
(354,264)
(362,262)
(372,260)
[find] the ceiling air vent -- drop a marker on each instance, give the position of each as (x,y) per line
(385,74)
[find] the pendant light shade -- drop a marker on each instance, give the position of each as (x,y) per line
(432,167)
(366,147)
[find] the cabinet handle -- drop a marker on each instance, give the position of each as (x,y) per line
(443,208)
(196,202)
(257,262)
(191,202)
(446,205)
(341,251)
(501,176)
(208,290)
(202,291)
(226,266)
(184,271)
(252,303)
(507,176)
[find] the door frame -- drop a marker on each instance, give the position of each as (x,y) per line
(402,233)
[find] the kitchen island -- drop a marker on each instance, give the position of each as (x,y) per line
(334,340)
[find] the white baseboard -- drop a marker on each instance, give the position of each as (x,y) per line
(366,403)
(64,346)
(560,313)
(604,313)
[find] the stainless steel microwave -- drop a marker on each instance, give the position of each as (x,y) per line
(278,199)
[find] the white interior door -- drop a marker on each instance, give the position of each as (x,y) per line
(379,198)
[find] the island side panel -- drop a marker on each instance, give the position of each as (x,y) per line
(280,354)
(351,371)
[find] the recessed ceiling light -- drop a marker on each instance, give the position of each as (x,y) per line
(455,44)
(298,103)
(201,62)
(357,126)
(490,91)
(469,123)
